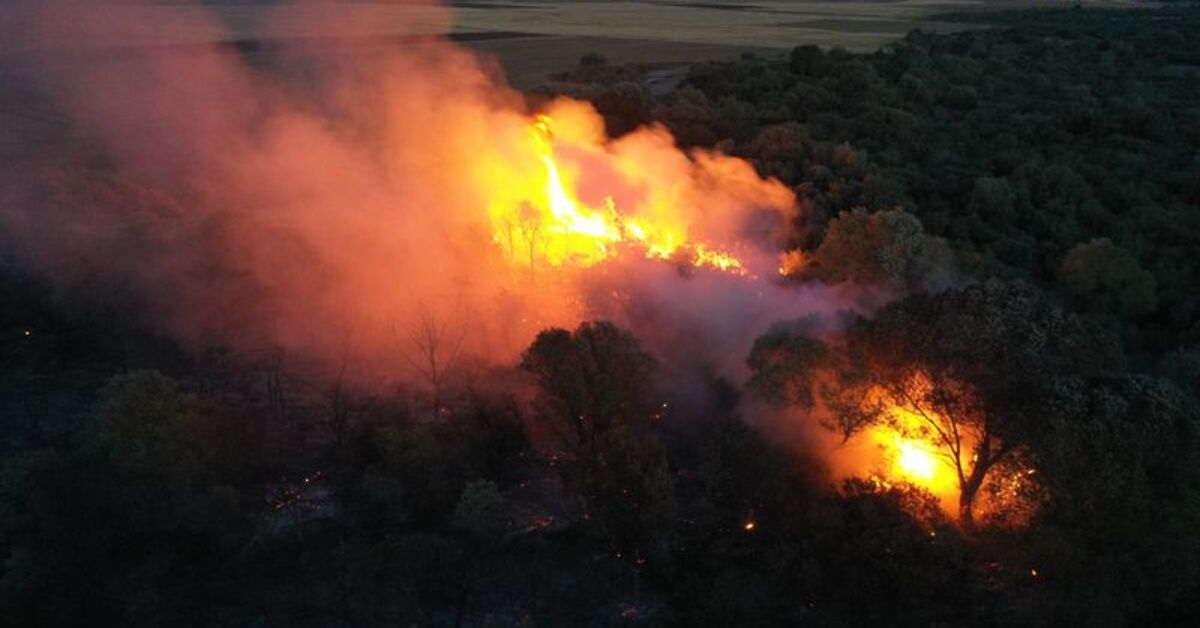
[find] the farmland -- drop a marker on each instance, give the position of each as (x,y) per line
(532,39)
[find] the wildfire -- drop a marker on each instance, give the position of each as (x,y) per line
(544,221)
(915,460)
(909,452)
(911,445)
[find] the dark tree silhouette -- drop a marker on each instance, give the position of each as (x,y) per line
(590,381)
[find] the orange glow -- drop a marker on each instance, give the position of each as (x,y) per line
(749,526)
(541,220)
(905,443)
(910,451)
(792,262)
(916,461)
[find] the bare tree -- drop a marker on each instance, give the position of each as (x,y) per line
(435,348)
(337,406)
(522,236)
(276,383)
(531,230)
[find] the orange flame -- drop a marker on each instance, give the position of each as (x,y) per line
(544,221)
(918,462)
(903,447)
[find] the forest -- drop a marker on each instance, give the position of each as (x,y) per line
(1029,193)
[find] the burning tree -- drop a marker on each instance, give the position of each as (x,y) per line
(540,220)
(957,385)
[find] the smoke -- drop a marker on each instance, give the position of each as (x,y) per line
(327,199)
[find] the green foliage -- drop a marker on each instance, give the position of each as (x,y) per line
(414,473)
(147,425)
(884,247)
(1014,144)
(890,529)
(630,493)
(1122,460)
(592,59)
(1107,278)
(158,481)
(590,381)
(480,510)
(994,200)
(784,365)
(1183,367)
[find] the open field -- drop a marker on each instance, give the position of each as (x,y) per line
(534,38)
(543,37)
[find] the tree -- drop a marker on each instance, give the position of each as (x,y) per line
(147,424)
(629,489)
(91,533)
(1121,460)
(779,150)
(592,59)
(480,510)
(435,350)
(993,200)
(884,247)
(808,61)
(1107,278)
(1183,367)
(413,464)
(625,107)
(590,381)
(337,403)
(978,389)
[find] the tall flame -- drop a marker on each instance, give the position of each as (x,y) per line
(544,221)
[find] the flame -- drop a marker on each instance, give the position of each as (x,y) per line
(544,221)
(905,448)
(917,461)
(908,449)
(914,462)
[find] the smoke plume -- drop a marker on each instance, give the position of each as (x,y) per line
(327,199)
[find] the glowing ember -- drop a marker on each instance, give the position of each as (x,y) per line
(543,221)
